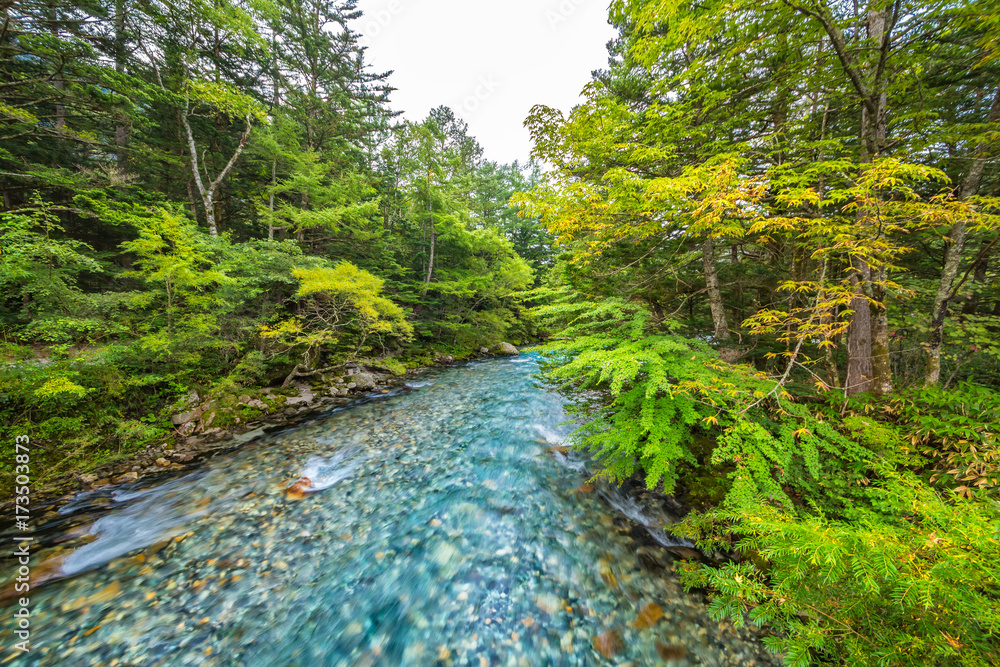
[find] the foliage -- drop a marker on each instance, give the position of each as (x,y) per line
(905,577)
(768,259)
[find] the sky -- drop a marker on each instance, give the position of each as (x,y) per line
(489,60)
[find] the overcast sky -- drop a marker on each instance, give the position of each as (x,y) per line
(489,60)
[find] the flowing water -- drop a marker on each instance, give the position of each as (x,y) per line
(442,528)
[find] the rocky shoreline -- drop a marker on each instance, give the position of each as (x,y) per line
(206,428)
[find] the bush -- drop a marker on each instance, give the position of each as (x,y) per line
(863,533)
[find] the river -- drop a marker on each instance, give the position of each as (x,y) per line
(441,528)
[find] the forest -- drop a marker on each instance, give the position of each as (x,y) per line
(762,255)
(214,195)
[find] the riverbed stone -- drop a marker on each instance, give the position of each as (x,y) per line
(649,615)
(548,603)
(609,643)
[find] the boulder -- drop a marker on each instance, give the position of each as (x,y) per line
(185,417)
(484,350)
(364,381)
(446,359)
(127,477)
(306,395)
(507,350)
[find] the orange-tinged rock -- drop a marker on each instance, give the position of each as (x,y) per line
(671,652)
(298,490)
(49,570)
(585,488)
(648,616)
(108,593)
(607,575)
(608,644)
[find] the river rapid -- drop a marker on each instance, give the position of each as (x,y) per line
(443,526)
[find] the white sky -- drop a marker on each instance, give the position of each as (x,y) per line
(489,60)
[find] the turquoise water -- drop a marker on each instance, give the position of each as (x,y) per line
(441,529)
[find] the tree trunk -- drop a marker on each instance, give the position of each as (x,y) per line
(121,129)
(714,291)
(208,193)
(430,263)
(881,363)
(209,204)
(859,343)
(873,123)
(270,200)
(953,257)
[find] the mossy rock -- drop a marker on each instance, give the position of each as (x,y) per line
(248,413)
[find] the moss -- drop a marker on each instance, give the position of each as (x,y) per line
(274,402)
(248,413)
(393,366)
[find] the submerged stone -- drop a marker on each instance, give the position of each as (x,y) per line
(648,616)
(608,644)
(298,490)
